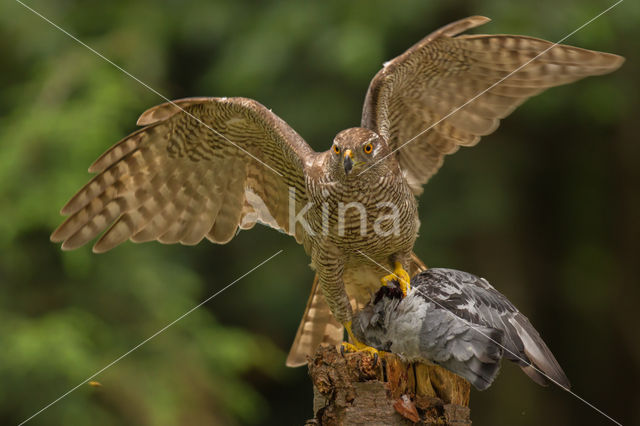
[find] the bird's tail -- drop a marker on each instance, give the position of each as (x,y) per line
(319,326)
(416,265)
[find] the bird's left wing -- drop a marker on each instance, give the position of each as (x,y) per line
(413,101)
(201,167)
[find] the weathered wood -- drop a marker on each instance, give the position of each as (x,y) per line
(352,389)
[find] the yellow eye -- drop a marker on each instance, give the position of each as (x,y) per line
(368,148)
(336,149)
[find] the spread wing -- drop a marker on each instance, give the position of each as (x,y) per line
(420,88)
(201,171)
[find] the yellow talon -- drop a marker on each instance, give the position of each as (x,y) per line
(400,275)
(357,345)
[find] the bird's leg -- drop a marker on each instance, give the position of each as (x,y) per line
(400,275)
(330,267)
(357,345)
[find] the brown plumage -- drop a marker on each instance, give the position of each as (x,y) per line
(444,70)
(203,167)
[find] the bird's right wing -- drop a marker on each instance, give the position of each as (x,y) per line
(202,167)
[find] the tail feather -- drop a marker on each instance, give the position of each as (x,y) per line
(316,327)
(416,266)
(481,374)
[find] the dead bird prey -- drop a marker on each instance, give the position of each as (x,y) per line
(459,321)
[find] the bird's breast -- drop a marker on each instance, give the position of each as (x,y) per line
(378,219)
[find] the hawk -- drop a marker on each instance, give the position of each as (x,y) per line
(206,167)
(458,321)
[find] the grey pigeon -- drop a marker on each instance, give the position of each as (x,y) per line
(459,321)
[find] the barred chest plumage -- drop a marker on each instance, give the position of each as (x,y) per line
(379,218)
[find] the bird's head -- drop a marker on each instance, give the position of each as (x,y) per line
(357,153)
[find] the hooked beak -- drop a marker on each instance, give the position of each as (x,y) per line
(348,161)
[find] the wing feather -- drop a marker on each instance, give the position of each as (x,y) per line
(185,176)
(413,101)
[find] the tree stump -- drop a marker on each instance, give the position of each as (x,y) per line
(353,389)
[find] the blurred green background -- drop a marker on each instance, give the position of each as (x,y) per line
(547,209)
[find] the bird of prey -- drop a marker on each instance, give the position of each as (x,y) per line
(458,321)
(205,167)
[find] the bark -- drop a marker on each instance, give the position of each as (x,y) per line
(353,389)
